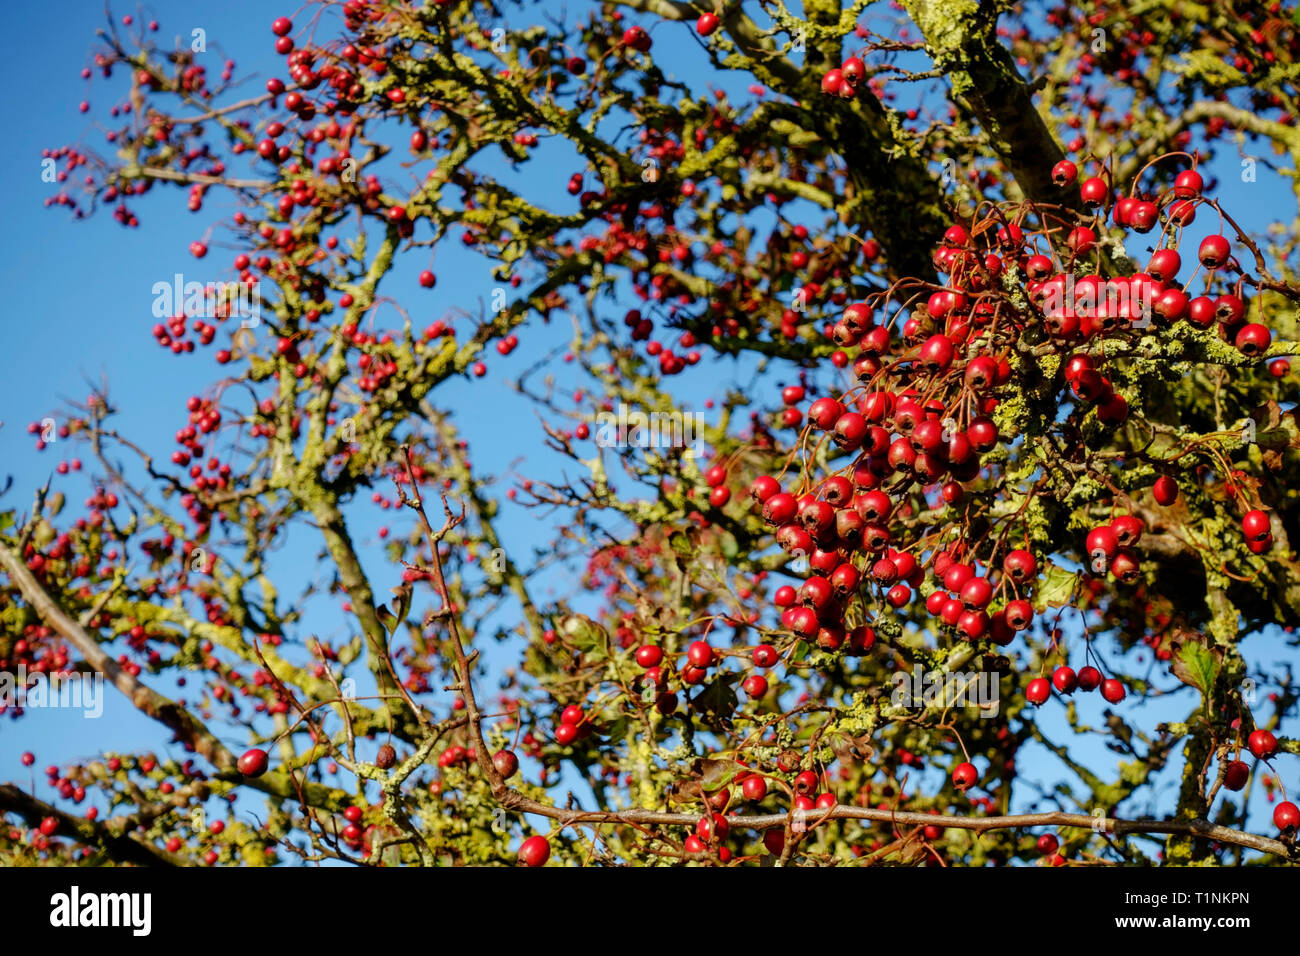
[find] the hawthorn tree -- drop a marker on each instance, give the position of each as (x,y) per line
(1018,439)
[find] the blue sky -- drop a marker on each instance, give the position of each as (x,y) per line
(79,312)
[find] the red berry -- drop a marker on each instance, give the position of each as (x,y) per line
(1182,213)
(1253,339)
(253,763)
(1128,530)
(825,412)
(805,782)
(852,70)
(1143,216)
(1020,566)
(861,639)
(850,428)
(706,24)
(976,592)
(1019,614)
(965,776)
(983,434)
(566,734)
(1236,774)
(1286,816)
(936,354)
(1214,252)
(1165,264)
(649,655)
(1094,191)
(1256,525)
(1172,304)
(1102,543)
(1081,240)
(780,508)
(1201,311)
(1229,309)
(506,763)
(712,828)
(1123,211)
(1262,743)
(1188,184)
(774,841)
(1112,690)
(763,488)
(1089,678)
(700,654)
(1064,173)
(1165,490)
(534,851)
(1038,691)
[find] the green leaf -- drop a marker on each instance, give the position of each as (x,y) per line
(718,698)
(681,544)
(1054,589)
(730,548)
(617,730)
(401,605)
(1197,665)
(582,633)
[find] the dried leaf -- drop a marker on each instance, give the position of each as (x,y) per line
(716,774)
(1055,589)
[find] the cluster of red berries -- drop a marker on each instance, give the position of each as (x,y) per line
(846,81)
(573,726)
(1067,681)
(171,335)
(919,424)
(670,363)
(457,756)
